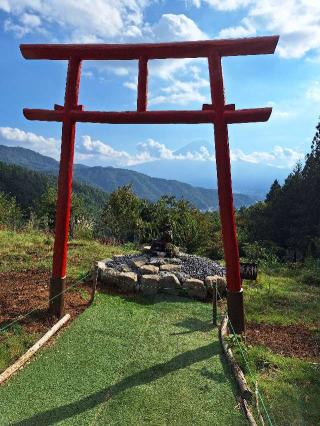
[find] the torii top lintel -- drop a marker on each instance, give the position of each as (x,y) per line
(75,53)
(185,49)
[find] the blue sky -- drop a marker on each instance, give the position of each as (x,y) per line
(289,80)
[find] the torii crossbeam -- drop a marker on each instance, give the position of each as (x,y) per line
(217,113)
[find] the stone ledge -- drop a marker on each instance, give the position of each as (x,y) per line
(149,275)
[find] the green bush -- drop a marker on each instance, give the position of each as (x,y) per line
(260,254)
(310,272)
(10,214)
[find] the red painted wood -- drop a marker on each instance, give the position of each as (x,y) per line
(150,117)
(188,49)
(142,84)
(65,172)
(231,253)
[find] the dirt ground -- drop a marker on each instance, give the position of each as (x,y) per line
(23,292)
(292,340)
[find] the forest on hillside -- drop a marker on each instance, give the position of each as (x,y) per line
(283,227)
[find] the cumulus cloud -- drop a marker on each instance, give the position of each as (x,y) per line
(279,113)
(78,18)
(222,5)
(246,29)
(16,137)
(146,151)
(108,21)
(297,22)
(98,152)
(176,27)
(279,157)
(183,92)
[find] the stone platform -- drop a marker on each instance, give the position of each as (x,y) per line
(145,273)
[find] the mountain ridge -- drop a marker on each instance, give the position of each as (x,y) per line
(109,178)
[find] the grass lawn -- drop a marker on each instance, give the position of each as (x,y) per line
(32,250)
(30,253)
(281,297)
(127,362)
(289,385)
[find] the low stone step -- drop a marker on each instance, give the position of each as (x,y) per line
(170,267)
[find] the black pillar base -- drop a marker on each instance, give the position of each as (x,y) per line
(56,297)
(236,311)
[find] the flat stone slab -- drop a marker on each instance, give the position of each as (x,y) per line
(195,288)
(138,263)
(124,281)
(169,267)
(149,284)
(169,284)
(148,269)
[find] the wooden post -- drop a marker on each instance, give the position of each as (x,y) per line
(231,253)
(214,304)
(30,352)
(57,282)
(142,84)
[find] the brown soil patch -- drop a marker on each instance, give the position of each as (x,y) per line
(292,340)
(22,292)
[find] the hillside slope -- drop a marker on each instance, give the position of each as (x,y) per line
(28,186)
(110,178)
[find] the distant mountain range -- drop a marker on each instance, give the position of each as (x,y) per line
(109,178)
(248,178)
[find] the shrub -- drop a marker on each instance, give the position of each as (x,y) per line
(10,214)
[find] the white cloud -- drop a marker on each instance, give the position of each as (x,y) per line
(120,71)
(245,30)
(17,137)
(97,151)
(223,5)
(177,27)
(279,157)
(313,92)
(115,21)
(182,92)
(297,22)
(130,85)
(81,19)
(149,150)
(103,149)
(278,113)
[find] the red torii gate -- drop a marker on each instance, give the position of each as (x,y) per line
(217,113)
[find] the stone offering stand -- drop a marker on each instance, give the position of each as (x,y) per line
(149,273)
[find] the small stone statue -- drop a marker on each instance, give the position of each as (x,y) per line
(164,244)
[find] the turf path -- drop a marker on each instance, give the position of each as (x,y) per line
(127,362)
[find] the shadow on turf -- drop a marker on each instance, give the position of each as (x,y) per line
(143,377)
(139,299)
(192,325)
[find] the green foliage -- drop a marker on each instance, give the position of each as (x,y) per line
(282,295)
(35,195)
(128,218)
(262,255)
(10,213)
(289,217)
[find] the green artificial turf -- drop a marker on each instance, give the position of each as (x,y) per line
(127,362)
